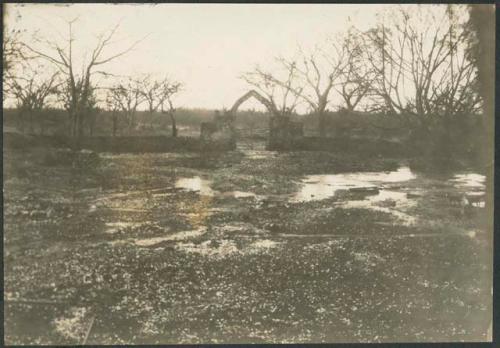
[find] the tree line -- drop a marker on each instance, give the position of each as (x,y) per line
(416,66)
(76,88)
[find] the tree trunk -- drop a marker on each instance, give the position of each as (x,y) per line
(115,124)
(69,123)
(20,124)
(131,122)
(322,124)
(91,121)
(32,126)
(80,125)
(74,123)
(42,126)
(174,125)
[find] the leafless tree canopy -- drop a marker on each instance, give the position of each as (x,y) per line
(31,93)
(13,52)
(277,95)
(126,96)
(415,66)
(431,62)
(79,85)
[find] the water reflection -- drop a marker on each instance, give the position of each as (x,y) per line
(317,187)
(146,242)
(469,181)
(240,194)
(195,184)
(202,186)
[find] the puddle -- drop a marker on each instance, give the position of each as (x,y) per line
(474,186)
(240,194)
(237,227)
(196,184)
(218,249)
(146,242)
(317,187)
(236,194)
(203,187)
(370,185)
(469,181)
(469,234)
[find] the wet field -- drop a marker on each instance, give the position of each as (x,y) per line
(243,246)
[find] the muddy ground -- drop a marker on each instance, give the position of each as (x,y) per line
(239,247)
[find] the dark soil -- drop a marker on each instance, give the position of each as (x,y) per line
(226,269)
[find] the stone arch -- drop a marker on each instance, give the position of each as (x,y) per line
(282,131)
(253,94)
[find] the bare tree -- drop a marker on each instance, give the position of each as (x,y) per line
(336,66)
(31,92)
(458,95)
(422,71)
(127,96)
(92,109)
(113,105)
(356,77)
(482,54)
(78,85)
(387,63)
(87,108)
(156,94)
(169,90)
(279,96)
(318,73)
(14,52)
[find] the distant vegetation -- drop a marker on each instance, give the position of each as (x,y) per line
(413,77)
(466,135)
(55,121)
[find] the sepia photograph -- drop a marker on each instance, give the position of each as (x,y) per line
(199,173)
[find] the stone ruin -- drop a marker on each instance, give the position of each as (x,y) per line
(220,130)
(283,133)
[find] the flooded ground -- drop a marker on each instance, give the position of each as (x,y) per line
(239,247)
(316,187)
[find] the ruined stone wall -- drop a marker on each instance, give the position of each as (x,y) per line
(284,133)
(220,130)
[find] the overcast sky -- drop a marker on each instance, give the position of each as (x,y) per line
(206,46)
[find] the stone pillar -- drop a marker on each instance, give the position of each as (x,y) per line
(207,130)
(220,131)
